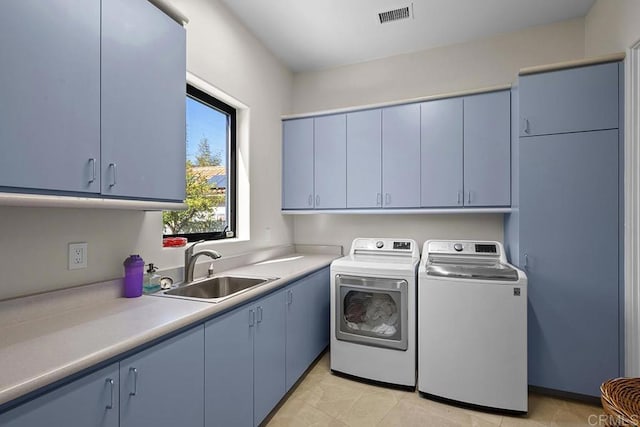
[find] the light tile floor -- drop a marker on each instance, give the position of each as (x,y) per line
(324,399)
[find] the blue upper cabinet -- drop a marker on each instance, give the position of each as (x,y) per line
(143,102)
(364,157)
(91,401)
(441,153)
(330,162)
(297,161)
(50,95)
(487,149)
(401,156)
(448,153)
(163,385)
(574,100)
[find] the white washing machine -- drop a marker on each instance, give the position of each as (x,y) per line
(373,311)
(472,325)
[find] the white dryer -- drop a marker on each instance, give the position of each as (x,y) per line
(472,325)
(373,311)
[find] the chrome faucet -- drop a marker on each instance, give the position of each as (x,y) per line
(190,260)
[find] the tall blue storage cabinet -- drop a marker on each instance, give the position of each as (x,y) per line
(566,231)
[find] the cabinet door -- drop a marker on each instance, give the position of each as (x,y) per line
(297,164)
(307,323)
(569,248)
(578,99)
(364,159)
(401,156)
(163,385)
(91,401)
(330,162)
(143,102)
(441,153)
(50,102)
(269,355)
(228,369)
(487,149)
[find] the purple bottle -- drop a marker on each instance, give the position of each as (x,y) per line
(133,271)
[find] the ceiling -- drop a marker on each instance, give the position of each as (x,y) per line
(319,34)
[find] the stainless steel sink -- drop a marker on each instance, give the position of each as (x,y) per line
(216,289)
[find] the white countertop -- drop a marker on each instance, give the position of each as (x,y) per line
(39,350)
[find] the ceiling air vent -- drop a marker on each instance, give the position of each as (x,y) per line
(395,14)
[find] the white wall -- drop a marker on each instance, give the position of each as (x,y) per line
(33,252)
(487,62)
(612,26)
(482,63)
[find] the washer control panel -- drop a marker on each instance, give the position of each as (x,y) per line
(464,247)
(385,245)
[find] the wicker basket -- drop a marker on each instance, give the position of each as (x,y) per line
(621,401)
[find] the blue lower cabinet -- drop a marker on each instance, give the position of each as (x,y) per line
(268,355)
(228,370)
(231,371)
(91,401)
(569,224)
(307,323)
(245,363)
(163,385)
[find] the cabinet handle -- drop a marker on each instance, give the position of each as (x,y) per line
(387,199)
(92,163)
(135,381)
(110,383)
(259,314)
(317,200)
(252,318)
(379,199)
(526,126)
(115,174)
(526,261)
(459,197)
(310,200)
(469,197)
(289,297)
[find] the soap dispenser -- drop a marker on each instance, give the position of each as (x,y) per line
(151,280)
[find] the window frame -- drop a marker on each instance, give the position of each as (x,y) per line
(209,100)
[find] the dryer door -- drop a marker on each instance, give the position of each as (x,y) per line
(372,311)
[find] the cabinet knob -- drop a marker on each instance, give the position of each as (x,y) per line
(135,381)
(109,382)
(92,165)
(115,174)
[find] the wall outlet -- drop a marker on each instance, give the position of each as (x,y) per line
(77,256)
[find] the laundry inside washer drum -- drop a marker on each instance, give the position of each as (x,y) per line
(371,312)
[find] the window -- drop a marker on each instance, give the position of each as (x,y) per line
(211,189)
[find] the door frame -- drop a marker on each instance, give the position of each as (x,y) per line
(632,212)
